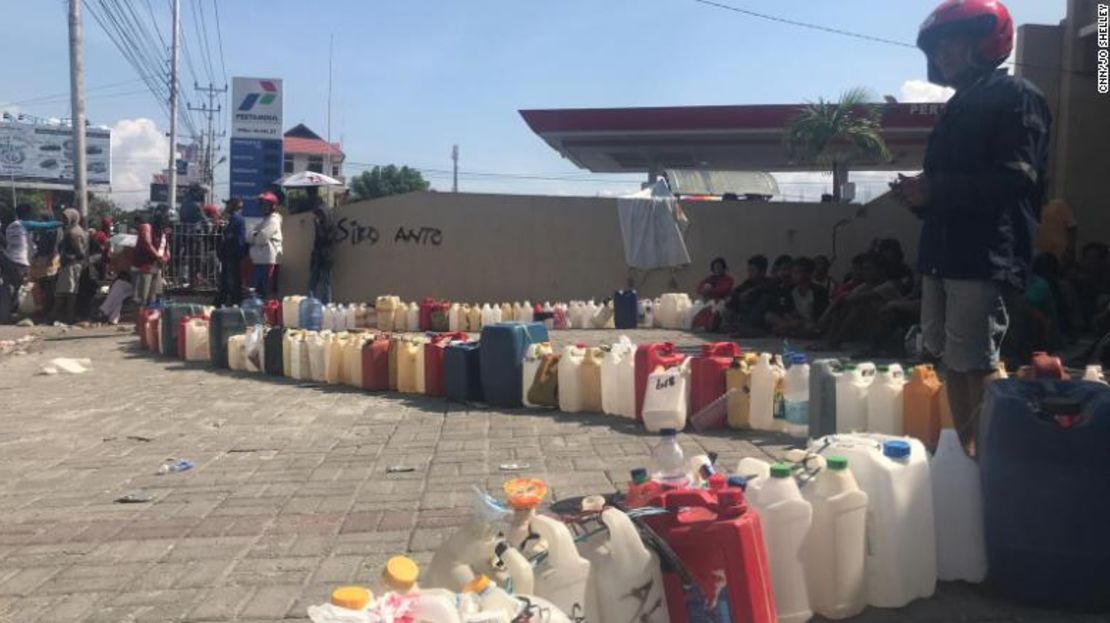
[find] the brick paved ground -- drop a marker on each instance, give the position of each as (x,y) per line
(290,495)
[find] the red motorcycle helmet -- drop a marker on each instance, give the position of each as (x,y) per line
(988,21)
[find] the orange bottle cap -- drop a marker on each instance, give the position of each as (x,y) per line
(400,573)
(351,597)
(525,493)
(477,585)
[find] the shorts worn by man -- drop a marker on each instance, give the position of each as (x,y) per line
(979,196)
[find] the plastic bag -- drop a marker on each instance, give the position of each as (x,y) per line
(253,348)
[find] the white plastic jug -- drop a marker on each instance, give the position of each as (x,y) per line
(835,552)
(795,395)
(453,320)
(560,319)
(334,363)
(328,321)
(562,577)
(1094,373)
(786,519)
(570,379)
(291,343)
(474,318)
(533,357)
(410,366)
(352,359)
(477,548)
(413,317)
(317,344)
(615,399)
(528,313)
(645,319)
(691,312)
(549,312)
(291,311)
(851,397)
(626,576)
(196,340)
(666,397)
(492,604)
(884,400)
(763,394)
(958,508)
(901,543)
(506,313)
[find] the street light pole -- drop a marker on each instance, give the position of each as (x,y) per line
(173,106)
(77,105)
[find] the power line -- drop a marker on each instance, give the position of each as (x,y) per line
(855,35)
(202,41)
(65,94)
(220,39)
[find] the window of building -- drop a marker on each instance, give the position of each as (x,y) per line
(288,163)
(316,164)
(335,170)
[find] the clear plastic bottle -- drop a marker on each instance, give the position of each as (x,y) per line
(763,394)
(667,460)
(796,396)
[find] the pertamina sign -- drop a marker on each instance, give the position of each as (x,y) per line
(257,108)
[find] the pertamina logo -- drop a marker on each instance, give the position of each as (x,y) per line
(264,98)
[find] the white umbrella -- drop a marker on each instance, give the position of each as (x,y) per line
(307,178)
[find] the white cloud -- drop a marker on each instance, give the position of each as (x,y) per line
(139,150)
(921,91)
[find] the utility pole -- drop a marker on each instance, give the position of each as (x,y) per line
(455,176)
(173,105)
(327,170)
(210,110)
(77,103)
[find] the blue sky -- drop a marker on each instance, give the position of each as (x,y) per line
(413,77)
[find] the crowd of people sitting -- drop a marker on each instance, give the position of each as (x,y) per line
(877,302)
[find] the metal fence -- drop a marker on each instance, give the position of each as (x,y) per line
(193,265)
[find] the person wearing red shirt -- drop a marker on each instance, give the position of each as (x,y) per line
(718,285)
(152,252)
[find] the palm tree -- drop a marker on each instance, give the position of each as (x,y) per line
(833,135)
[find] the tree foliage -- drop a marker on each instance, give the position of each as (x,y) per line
(835,134)
(386,181)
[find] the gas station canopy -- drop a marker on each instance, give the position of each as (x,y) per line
(738,138)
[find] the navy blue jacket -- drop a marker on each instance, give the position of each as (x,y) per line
(985,169)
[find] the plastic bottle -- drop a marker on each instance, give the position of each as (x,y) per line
(822,396)
(763,394)
(786,519)
(667,460)
(562,576)
(476,549)
(851,397)
(570,379)
(348,604)
(835,552)
(1094,373)
(626,574)
(646,317)
(923,406)
(796,397)
(506,608)
(454,318)
(884,400)
(958,509)
(612,394)
(524,496)
(505,314)
(666,398)
(738,380)
(778,410)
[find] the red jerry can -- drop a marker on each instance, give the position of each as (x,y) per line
(154,331)
(433,361)
(428,308)
(271,309)
(707,373)
(375,364)
(719,541)
(181,334)
(649,357)
(142,321)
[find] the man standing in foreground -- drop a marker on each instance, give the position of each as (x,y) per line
(979,197)
(265,246)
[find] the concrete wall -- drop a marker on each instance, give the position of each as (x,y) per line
(472,247)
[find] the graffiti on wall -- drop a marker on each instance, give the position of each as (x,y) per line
(352,232)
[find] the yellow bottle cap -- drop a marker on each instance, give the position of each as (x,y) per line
(400,573)
(477,585)
(351,597)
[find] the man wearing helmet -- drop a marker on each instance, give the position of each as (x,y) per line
(978,196)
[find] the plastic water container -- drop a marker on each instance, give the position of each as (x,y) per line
(823,376)
(352,359)
(413,318)
(533,357)
(224,322)
(317,344)
(477,548)
(958,509)
(626,305)
(462,379)
(570,379)
(334,363)
(796,398)
(577,316)
(835,552)
(453,320)
(645,316)
(311,314)
(668,462)
(292,341)
(196,339)
(626,576)
(738,379)
(923,406)
(649,357)
(489,316)
(527,312)
(884,400)
(901,544)
(494,605)
(763,394)
(1042,450)
(328,319)
(666,398)
(672,306)
(507,313)
(590,378)
(618,379)
(410,365)
(291,311)
(434,368)
(786,520)
(563,576)
(502,356)
(348,604)
(851,397)
(707,373)
(474,318)
(170,322)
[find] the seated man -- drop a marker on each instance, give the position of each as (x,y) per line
(752,319)
(850,317)
(796,314)
(821,276)
(718,285)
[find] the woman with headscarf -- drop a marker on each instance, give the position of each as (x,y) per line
(74,252)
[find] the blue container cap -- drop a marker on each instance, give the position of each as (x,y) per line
(639,475)
(798,359)
(896,449)
(668,432)
(739,482)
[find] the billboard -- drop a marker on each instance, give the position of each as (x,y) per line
(256,108)
(42,152)
(257,141)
